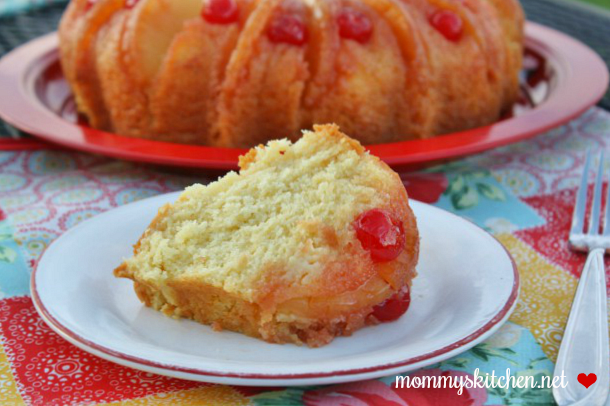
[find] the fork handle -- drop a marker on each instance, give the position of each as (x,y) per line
(585,348)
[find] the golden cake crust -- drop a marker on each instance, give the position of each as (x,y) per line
(319,284)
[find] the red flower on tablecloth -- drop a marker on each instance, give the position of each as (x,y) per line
(425,187)
(50,371)
(376,393)
(2,215)
(551,238)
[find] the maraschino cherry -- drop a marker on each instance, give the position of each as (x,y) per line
(448,23)
(220,11)
(289,29)
(380,234)
(394,307)
(355,25)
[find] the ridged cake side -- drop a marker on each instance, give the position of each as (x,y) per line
(384,70)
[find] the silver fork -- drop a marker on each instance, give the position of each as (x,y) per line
(584,348)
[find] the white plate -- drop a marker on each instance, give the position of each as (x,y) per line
(466,288)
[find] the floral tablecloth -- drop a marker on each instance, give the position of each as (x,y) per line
(12,7)
(522,193)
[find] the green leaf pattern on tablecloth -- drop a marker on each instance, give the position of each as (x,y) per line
(287,397)
(474,193)
(514,348)
(7,254)
(14,276)
(468,185)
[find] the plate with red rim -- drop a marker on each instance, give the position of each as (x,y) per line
(561,79)
(466,289)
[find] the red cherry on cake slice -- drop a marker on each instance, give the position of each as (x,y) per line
(220,11)
(380,234)
(355,25)
(289,29)
(394,307)
(449,24)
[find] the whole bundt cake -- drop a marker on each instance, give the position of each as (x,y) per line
(309,241)
(236,73)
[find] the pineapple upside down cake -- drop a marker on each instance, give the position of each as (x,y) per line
(236,73)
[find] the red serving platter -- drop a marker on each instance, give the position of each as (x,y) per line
(561,79)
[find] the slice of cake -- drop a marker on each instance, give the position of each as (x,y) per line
(309,241)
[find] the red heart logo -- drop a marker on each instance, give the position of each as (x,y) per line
(587,380)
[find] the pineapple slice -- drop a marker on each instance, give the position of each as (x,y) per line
(150,31)
(265,78)
(70,23)
(185,92)
(86,80)
(367,76)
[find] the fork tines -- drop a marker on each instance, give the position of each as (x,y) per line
(580,238)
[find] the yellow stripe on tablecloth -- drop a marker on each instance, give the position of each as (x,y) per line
(546,295)
(216,395)
(9,396)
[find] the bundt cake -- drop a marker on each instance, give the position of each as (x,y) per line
(309,241)
(236,73)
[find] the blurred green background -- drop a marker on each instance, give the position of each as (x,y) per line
(601,3)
